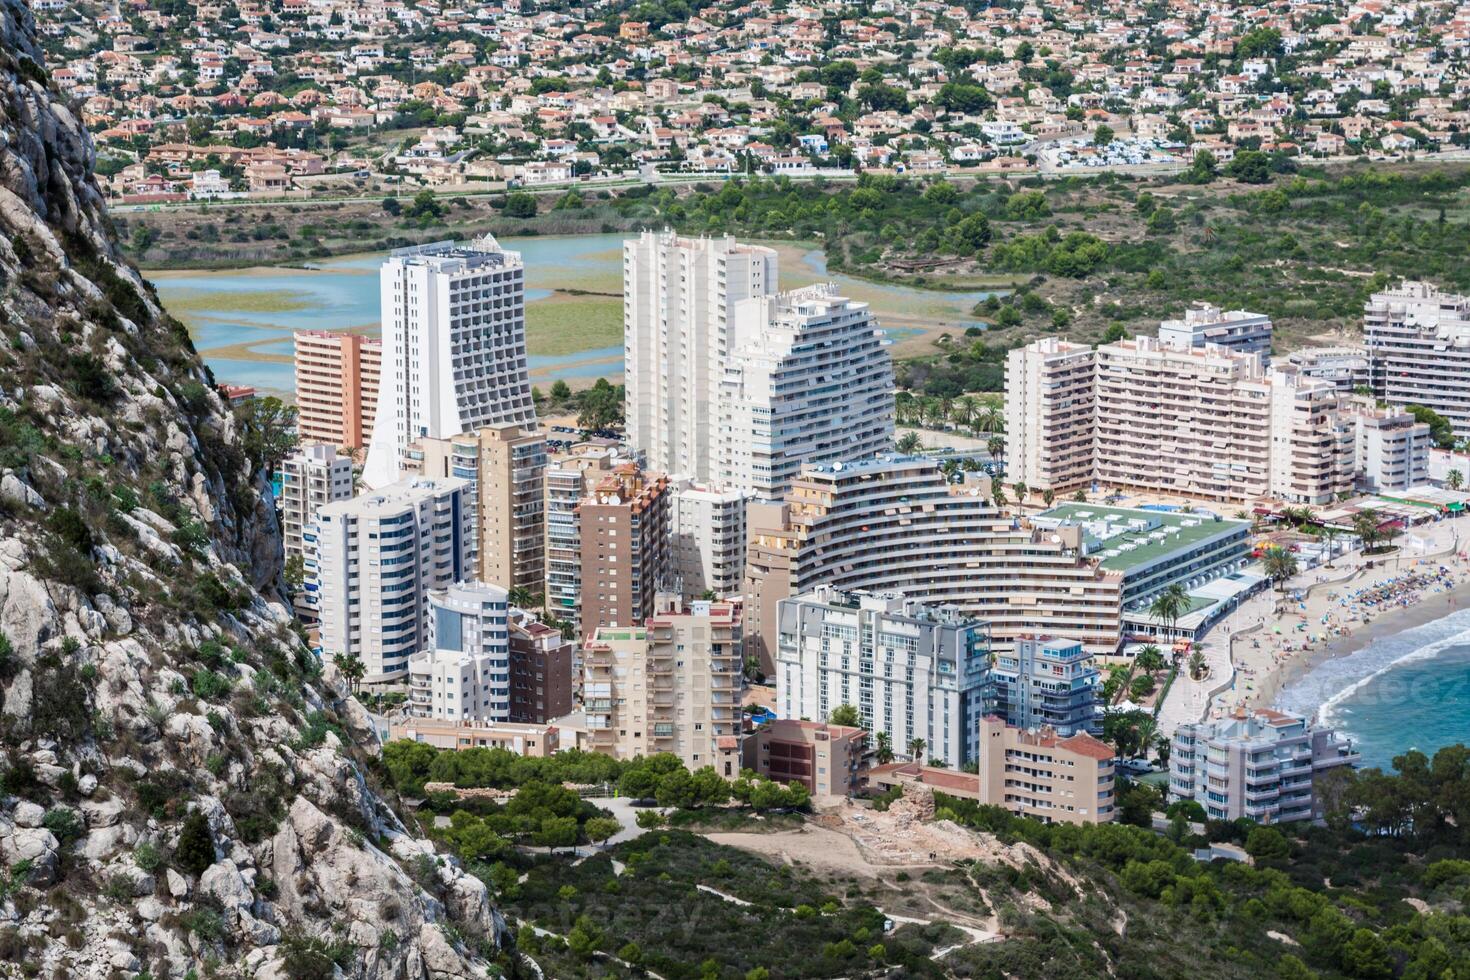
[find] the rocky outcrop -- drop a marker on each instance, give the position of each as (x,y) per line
(180,786)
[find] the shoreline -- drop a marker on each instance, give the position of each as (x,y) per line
(1392,623)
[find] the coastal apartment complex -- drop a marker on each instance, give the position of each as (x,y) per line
(809,380)
(1258,764)
(1418,343)
(678,303)
(730,383)
(1037,774)
(896,524)
(623,523)
(1391,451)
(911,671)
(669,685)
(379,557)
(1201,422)
(488,662)
(337,378)
(505,466)
(454,348)
(1046,682)
(311,477)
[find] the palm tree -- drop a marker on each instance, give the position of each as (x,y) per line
(1169,605)
(1367,524)
(351,667)
(990,420)
(1149,658)
(884,750)
(1455,480)
(1020,488)
(1080,496)
(916,749)
(965,409)
(997,491)
(1197,665)
(995,446)
(1280,565)
(1329,534)
(522,597)
(909,443)
(1048,496)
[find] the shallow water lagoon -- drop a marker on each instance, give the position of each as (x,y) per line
(242,319)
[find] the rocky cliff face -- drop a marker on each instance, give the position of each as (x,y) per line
(180,789)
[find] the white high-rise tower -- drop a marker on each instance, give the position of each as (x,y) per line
(454,348)
(678,298)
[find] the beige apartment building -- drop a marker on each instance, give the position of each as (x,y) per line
(624,531)
(1204,422)
(1030,773)
(1049,410)
(506,468)
(829,760)
(568,477)
(337,387)
(670,685)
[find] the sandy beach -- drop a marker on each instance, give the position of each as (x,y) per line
(1326,613)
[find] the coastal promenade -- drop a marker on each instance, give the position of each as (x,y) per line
(1275,634)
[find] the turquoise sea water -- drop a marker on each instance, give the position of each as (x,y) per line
(1407,691)
(343,294)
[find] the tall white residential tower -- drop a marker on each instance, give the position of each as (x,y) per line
(454,348)
(809,380)
(678,295)
(379,555)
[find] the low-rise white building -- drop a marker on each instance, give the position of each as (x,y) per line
(464,675)
(1236,330)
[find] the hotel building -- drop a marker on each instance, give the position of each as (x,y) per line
(1418,342)
(669,685)
(678,299)
(1258,764)
(505,466)
(911,671)
(454,348)
(337,376)
(379,557)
